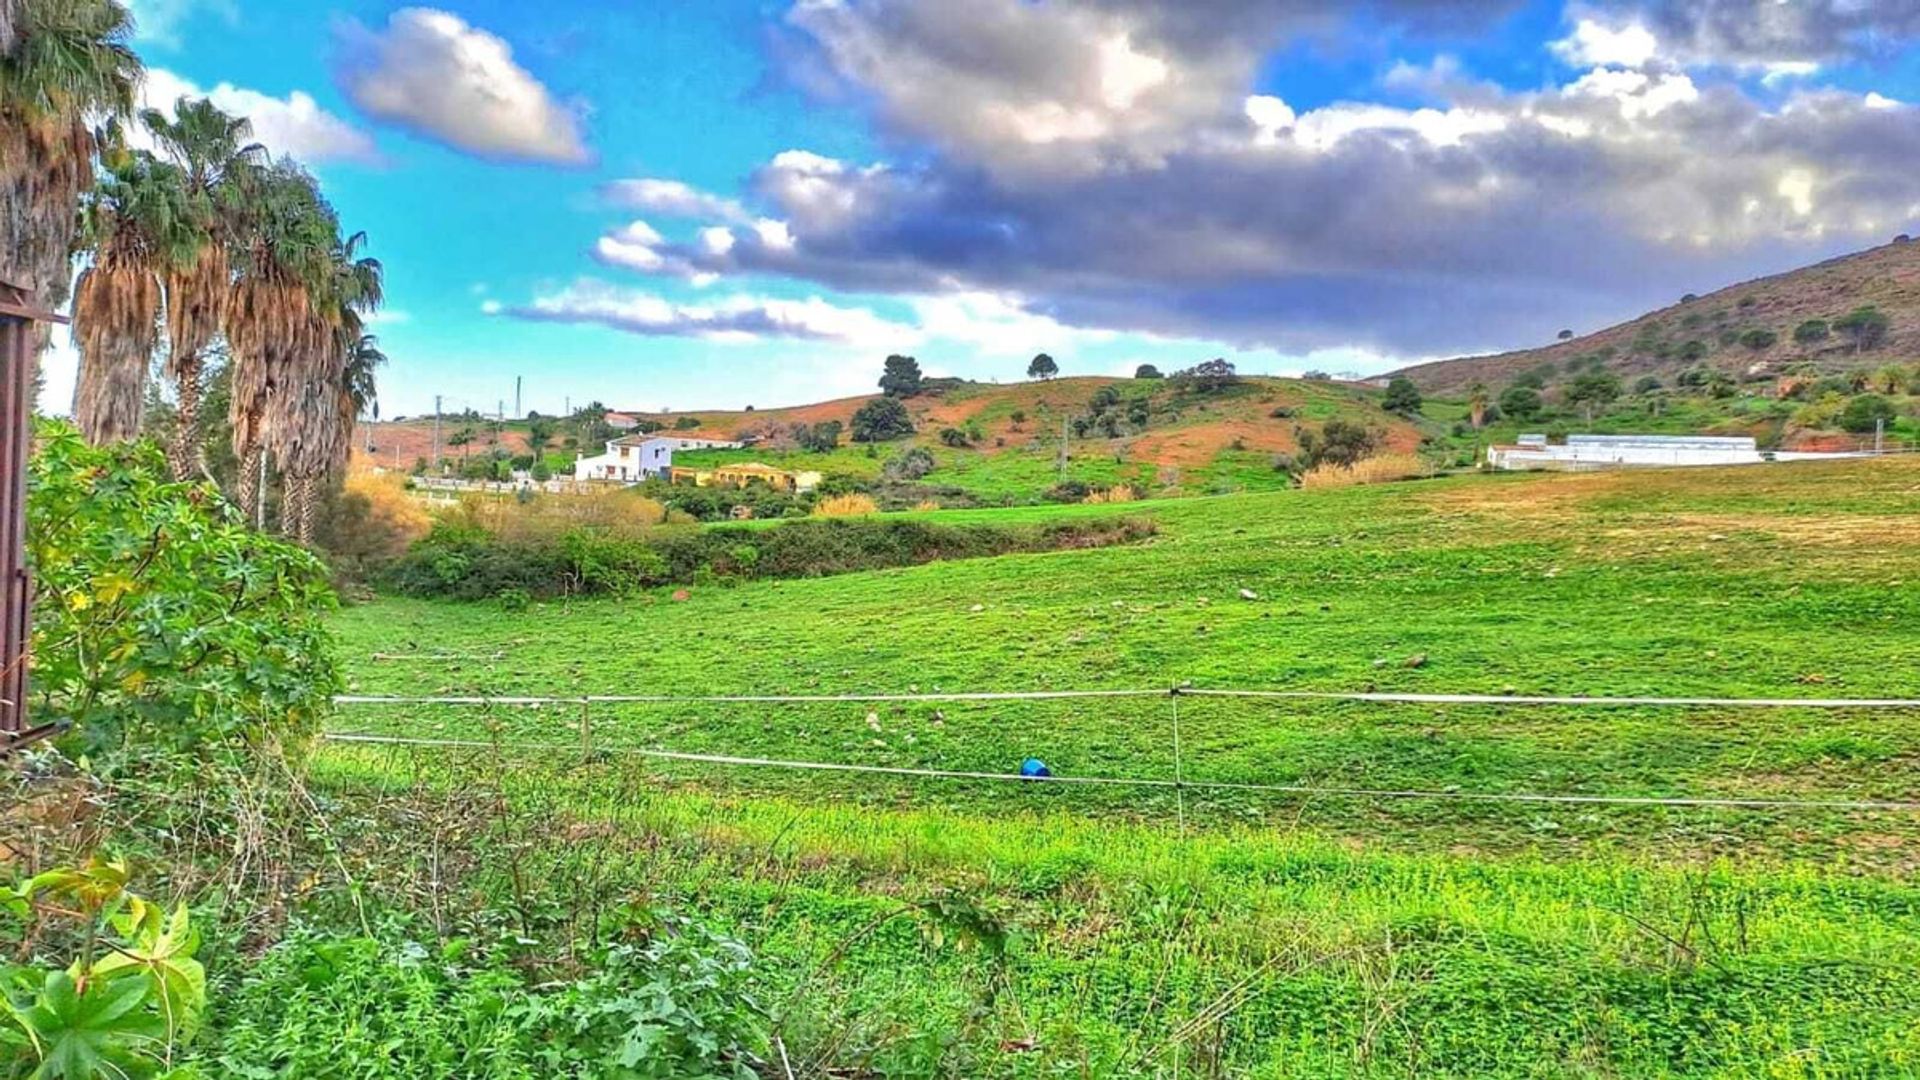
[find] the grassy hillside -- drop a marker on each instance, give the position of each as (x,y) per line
(1187,443)
(1236,932)
(1657,343)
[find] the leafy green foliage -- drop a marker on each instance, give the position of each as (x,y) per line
(881,420)
(820,438)
(1208,377)
(1759,338)
(1339,442)
(1810,331)
(672,1000)
(1147,371)
(124,1006)
(161,617)
(1520,402)
(1865,412)
(1402,397)
(1042,367)
(467,563)
(1865,326)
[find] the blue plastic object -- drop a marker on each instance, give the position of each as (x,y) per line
(1033,768)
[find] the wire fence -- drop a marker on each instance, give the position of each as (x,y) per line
(1180,783)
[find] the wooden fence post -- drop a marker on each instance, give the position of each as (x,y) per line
(17,348)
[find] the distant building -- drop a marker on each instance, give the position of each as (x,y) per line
(622,421)
(1586,452)
(632,458)
(740,476)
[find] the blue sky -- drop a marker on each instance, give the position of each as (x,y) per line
(741,202)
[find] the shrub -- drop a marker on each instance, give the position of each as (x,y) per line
(1147,371)
(161,617)
(908,465)
(820,438)
(1520,402)
(1646,384)
(955,438)
(1758,339)
(881,420)
(1339,442)
(368,523)
(1865,412)
(1811,331)
(1692,350)
(686,423)
(846,506)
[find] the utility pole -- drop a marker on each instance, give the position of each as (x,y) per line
(436,433)
(1879,434)
(517,414)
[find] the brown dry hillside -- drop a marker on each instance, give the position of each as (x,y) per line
(1886,277)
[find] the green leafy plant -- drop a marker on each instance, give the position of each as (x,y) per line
(162,618)
(125,1006)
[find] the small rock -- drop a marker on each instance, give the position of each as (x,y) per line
(977,608)
(1380,663)
(1249,594)
(873,720)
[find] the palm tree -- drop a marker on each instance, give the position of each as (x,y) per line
(216,155)
(1477,398)
(311,424)
(276,318)
(136,225)
(64,64)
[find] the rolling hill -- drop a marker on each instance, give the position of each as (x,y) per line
(1746,330)
(1188,441)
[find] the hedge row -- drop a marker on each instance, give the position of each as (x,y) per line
(468,563)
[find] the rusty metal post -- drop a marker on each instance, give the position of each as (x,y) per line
(17,345)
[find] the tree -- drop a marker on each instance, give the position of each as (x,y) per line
(66,71)
(1594,388)
(1042,368)
(461,437)
(901,377)
(133,225)
(1147,371)
(1478,398)
(1339,442)
(1402,397)
(1520,402)
(214,152)
(1866,326)
(1889,379)
(1565,335)
(1216,374)
(881,420)
(539,435)
(1692,350)
(820,438)
(276,316)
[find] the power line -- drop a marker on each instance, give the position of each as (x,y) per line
(1701,802)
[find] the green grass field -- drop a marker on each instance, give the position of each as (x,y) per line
(1231,932)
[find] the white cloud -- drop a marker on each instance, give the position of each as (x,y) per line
(672,198)
(432,73)
(996,324)
(295,124)
(731,319)
(1595,44)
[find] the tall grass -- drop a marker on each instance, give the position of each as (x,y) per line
(854,505)
(1379,469)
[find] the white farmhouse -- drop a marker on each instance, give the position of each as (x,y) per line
(633,458)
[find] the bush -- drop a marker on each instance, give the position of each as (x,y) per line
(1758,338)
(955,438)
(1865,412)
(846,506)
(1340,443)
(881,420)
(162,619)
(1520,402)
(1147,371)
(1402,397)
(908,465)
(1811,331)
(686,423)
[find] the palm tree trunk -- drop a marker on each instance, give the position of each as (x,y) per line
(298,515)
(186,454)
(246,483)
